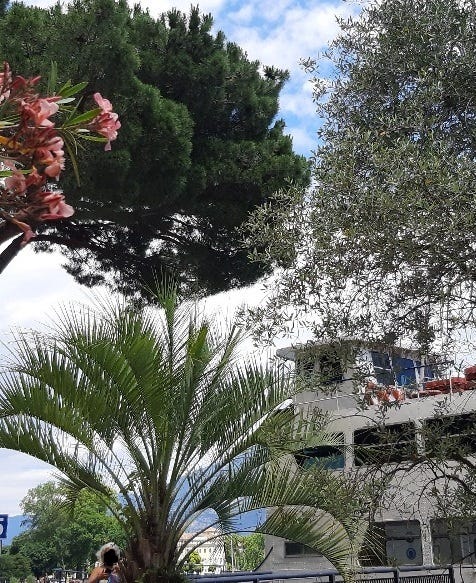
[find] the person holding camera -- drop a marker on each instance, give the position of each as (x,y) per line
(107,567)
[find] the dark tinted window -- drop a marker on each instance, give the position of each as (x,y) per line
(404,369)
(384,445)
(292,549)
(451,435)
(305,365)
(330,368)
(382,368)
(328,456)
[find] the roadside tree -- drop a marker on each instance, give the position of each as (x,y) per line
(56,537)
(14,566)
(244,552)
(193,563)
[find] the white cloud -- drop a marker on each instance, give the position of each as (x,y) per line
(157,7)
(304,138)
(297,99)
(32,286)
(40,3)
(298,32)
(20,474)
(244,15)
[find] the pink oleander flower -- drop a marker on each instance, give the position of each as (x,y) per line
(55,205)
(16,183)
(5,82)
(32,149)
(103,103)
(20,83)
(40,110)
(28,233)
(50,154)
(33,178)
(106,123)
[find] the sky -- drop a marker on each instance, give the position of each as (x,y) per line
(275,32)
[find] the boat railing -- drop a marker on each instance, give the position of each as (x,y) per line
(403,574)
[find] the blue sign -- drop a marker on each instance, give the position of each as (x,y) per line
(411,553)
(3,525)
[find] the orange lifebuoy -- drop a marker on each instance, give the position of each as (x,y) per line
(390,394)
(397,393)
(383,396)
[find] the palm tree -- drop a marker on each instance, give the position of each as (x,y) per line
(166,420)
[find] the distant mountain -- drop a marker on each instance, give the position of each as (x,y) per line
(14,527)
(247,523)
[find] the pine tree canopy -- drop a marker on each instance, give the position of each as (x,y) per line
(200,144)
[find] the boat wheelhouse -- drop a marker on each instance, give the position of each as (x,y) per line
(422,407)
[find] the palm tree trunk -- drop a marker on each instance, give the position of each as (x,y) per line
(150,563)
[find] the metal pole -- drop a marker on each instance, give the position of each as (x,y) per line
(451,573)
(232,555)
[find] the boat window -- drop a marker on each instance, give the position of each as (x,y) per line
(404,369)
(330,457)
(428,371)
(385,444)
(330,368)
(382,368)
(292,549)
(453,540)
(452,435)
(393,543)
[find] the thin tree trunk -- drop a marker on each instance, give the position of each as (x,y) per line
(10,252)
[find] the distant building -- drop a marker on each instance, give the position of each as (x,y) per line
(211,549)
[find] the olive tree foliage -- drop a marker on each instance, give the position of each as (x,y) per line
(383,245)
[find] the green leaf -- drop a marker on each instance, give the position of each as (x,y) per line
(6,173)
(82,118)
(52,78)
(67,90)
(72,155)
(91,138)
